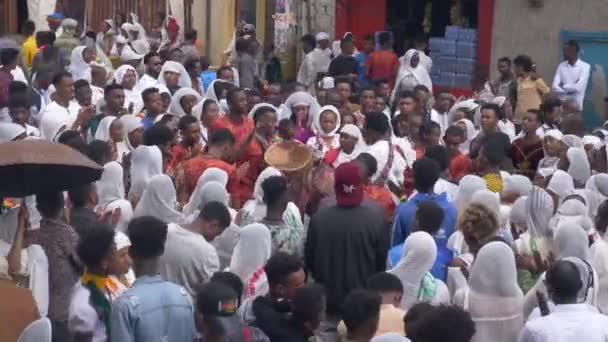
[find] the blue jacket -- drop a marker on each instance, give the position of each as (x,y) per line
(403,227)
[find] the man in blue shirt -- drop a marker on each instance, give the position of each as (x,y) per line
(426,173)
(153,103)
(361,58)
(152,309)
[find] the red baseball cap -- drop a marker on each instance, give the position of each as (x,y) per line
(348,185)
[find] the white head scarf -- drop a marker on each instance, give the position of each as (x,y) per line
(598,184)
(572,140)
(110,187)
(52,124)
(468,185)
(593,140)
(120,73)
(579,168)
(495,300)
(519,212)
(184,79)
(419,254)
(209,192)
(146,162)
(488,199)
(176,107)
(258,106)
(197,110)
(159,200)
(103,130)
(419,72)
(317,121)
(121,240)
(539,205)
(571,241)
(246,260)
(518,184)
(78,67)
(555,134)
(562,184)
(129,123)
(126,213)
(469,105)
(211,89)
(256,208)
(128,54)
(573,211)
(471,133)
(9,131)
(300,98)
(355,132)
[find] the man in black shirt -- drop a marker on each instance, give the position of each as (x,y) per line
(345,64)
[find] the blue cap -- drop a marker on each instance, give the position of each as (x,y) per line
(56,16)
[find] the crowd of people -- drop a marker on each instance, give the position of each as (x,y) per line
(421,217)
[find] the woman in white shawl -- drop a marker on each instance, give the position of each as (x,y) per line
(133,130)
(126,213)
(560,186)
(248,263)
(493,297)
(573,210)
(174,83)
(411,73)
(326,125)
(110,187)
(413,270)
(552,146)
(103,131)
(598,184)
(578,166)
(80,61)
(106,36)
(351,146)
(159,200)
(217,92)
(572,244)
(470,131)
(11,131)
(126,76)
(540,209)
(183,102)
(212,174)
(146,162)
(599,256)
(254,210)
(206,111)
(53,124)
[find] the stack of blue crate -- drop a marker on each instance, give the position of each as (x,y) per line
(454,57)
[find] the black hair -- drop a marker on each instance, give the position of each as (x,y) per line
(308,303)
(229,279)
(573,43)
(564,280)
(421,87)
(231,94)
(95,244)
(148,235)
(147,92)
(99,151)
(221,136)
(45,38)
(191,63)
(601,218)
(504,59)
(407,93)
(384,38)
(158,135)
(439,154)
(8,56)
(548,106)
(49,203)
(274,188)
(494,107)
(79,195)
(252,92)
(414,316)
(73,139)
(113,86)
(280,266)
(343,79)
(345,40)
(428,126)
(446,323)
(359,307)
(221,69)
(190,34)
(429,216)
(378,122)
(384,282)
(60,76)
(149,56)
(309,39)
(494,148)
(380,81)
(284,124)
(257,115)
(81,84)
(369,162)
(205,62)
(219,87)
(28,28)
(216,211)
(535,112)
(185,121)
(368,88)
(454,130)
(19,101)
(524,61)
(426,174)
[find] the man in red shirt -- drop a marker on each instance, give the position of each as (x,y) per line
(383,63)
(190,145)
(460,165)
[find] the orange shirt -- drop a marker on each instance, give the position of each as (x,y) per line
(179,153)
(240,131)
(191,170)
(459,166)
(383,64)
(382,196)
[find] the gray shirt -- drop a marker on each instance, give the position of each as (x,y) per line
(245,64)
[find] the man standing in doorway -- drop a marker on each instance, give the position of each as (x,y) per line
(503,86)
(572,75)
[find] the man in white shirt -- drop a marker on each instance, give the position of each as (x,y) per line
(189,258)
(572,319)
(391,164)
(307,75)
(150,78)
(439,114)
(572,75)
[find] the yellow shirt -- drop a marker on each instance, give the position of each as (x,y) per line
(29,50)
(494,182)
(529,96)
(391,320)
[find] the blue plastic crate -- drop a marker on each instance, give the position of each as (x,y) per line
(449,47)
(436,79)
(435,44)
(463,80)
(447,63)
(465,49)
(448,79)
(452,32)
(465,65)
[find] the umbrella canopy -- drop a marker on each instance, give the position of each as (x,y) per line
(31,166)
